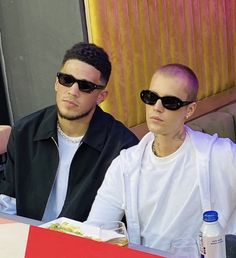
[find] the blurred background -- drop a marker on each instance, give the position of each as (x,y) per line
(139,36)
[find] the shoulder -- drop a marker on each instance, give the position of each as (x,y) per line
(119,128)
(128,162)
(225,147)
(114,127)
(134,154)
(204,142)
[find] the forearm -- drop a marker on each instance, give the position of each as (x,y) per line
(104,210)
(109,202)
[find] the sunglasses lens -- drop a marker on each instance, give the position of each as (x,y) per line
(171,103)
(86,86)
(168,102)
(149,97)
(68,80)
(65,79)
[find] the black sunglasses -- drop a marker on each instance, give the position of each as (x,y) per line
(168,102)
(68,80)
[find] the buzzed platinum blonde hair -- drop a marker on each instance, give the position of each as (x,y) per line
(180,70)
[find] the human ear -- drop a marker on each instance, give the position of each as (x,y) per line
(102,96)
(191,109)
(56,85)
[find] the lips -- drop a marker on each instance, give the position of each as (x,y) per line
(156,118)
(70,102)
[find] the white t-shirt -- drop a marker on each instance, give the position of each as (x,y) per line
(168,196)
(67,148)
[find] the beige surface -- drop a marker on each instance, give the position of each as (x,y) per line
(13,240)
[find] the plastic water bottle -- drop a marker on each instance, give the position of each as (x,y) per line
(211,237)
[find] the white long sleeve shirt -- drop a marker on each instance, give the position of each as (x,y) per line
(213,181)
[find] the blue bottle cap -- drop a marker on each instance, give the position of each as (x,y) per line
(210,216)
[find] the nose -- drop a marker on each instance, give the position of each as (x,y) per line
(74,89)
(158,106)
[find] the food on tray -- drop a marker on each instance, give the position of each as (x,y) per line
(66,228)
(80,229)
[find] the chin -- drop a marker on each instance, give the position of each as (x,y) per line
(75,116)
(155,131)
(154,128)
(69,117)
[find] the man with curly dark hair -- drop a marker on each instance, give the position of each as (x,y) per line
(58,156)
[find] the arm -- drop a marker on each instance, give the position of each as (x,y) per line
(223,183)
(109,202)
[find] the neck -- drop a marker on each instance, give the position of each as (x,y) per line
(73,128)
(164,145)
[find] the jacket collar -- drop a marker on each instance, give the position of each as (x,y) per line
(48,126)
(95,136)
(98,129)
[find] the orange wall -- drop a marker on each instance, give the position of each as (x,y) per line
(141,35)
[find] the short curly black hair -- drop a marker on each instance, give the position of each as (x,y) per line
(92,55)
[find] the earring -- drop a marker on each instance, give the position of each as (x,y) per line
(187,116)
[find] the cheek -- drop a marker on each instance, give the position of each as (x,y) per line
(149,114)
(88,100)
(148,110)
(58,92)
(177,119)
(58,98)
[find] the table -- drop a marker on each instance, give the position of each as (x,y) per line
(230,239)
(28,238)
(21,219)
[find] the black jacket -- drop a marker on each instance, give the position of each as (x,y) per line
(33,160)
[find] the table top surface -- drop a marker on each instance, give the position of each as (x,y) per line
(21,219)
(36,223)
(230,239)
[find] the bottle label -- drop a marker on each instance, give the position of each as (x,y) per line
(211,246)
